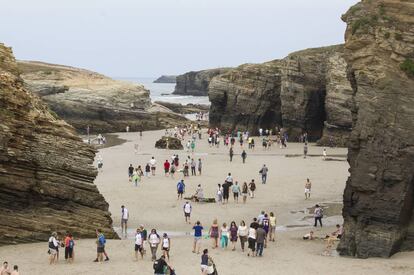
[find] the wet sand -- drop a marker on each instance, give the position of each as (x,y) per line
(154,204)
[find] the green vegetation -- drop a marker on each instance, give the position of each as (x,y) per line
(398,36)
(381,9)
(359,24)
(354,9)
(408,67)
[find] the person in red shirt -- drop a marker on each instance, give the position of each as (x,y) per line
(69,245)
(166,168)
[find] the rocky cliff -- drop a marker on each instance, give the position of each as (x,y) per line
(46,172)
(306,91)
(379,194)
(196,83)
(166,79)
(83,98)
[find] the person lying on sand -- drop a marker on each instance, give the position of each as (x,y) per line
(309,236)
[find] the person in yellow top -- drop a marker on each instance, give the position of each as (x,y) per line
(272,230)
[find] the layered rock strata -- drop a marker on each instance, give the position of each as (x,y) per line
(305,92)
(379,194)
(46,172)
(196,83)
(84,98)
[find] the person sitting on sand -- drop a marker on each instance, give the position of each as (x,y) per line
(338,232)
(199,194)
(308,236)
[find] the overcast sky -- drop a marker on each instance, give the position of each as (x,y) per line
(153,37)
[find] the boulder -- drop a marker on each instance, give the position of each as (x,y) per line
(184,109)
(379,194)
(170,142)
(46,172)
(166,79)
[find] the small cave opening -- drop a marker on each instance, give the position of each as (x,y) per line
(315,115)
(270,120)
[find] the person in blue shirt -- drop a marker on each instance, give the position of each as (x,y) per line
(198,234)
(180,189)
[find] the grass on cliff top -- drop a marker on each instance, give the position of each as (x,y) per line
(408,67)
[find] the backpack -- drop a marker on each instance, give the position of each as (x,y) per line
(102,240)
(71,243)
(158,266)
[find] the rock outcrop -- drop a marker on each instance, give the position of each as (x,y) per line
(305,92)
(169,143)
(166,79)
(83,98)
(184,109)
(196,83)
(46,172)
(379,194)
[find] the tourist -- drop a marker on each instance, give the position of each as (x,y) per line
(338,232)
(324,154)
(204,263)
(260,217)
(219,194)
(160,266)
(172,169)
(254,224)
(153,164)
(147,170)
(252,241)
(154,241)
(192,146)
(226,191)
(305,150)
(186,169)
(53,248)
(193,167)
(252,145)
(136,177)
(318,215)
(236,191)
(139,171)
(130,171)
(144,235)
(252,188)
(124,220)
(231,153)
(242,232)
(245,191)
(187,211)
(264,172)
(260,240)
(224,236)
(214,233)
(69,245)
(308,186)
(244,156)
(140,134)
(139,243)
(100,244)
(198,234)
(233,234)
(5,269)
(180,189)
(15,270)
(199,194)
(166,246)
(272,230)
(308,236)
(200,166)
(188,146)
(99,160)
(127,129)
(166,167)
(266,227)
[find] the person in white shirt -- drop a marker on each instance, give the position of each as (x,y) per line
(154,241)
(124,220)
(242,232)
(252,241)
(53,248)
(139,244)
(187,212)
(166,244)
(229,178)
(153,164)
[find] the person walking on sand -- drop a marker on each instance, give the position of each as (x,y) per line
(272,229)
(53,248)
(153,164)
(100,244)
(69,246)
(166,246)
(219,194)
(214,233)
(324,154)
(242,232)
(147,170)
(200,166)
(244,156)
(198,234)
(187,211)
(193,167)
(231,153)
(166,168)
(233,234)
(318,215)
(252,188)
(244,191)
(130,172)
(260,240)
(192,146)
(136,177)
(308,186)
(224,236)
(264,172)
(154,241)
(252,241)
(139,243)
(236,191)
(305,150)
(180,189)
(124,220)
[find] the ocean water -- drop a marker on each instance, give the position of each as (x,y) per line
(162,91)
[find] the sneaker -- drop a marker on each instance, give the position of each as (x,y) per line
(95,261)
(107,259)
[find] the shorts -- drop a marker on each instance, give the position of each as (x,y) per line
(307,191)
(52,251)
(165,249)
(197,239)
(180,192)
(68,253)
(235,195)
(252,244)
(100,249)
(124,221)
(138,247)
(187,214)
(244,195)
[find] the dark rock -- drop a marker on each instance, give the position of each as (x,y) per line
(184,109)
(379,194)
(172,142)
(166,79)
(46,172)
(196,83)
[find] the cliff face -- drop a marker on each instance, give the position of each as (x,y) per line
(83,98)
(379,194)
(305,91)
(196,83)
(46,172)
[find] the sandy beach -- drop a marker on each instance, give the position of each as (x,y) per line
(154,204)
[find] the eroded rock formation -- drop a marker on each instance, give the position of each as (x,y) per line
(196,83)
(166,79)
(46,172)
(379,194)
(184,109)
(83,98)
(169,143)
(305,92)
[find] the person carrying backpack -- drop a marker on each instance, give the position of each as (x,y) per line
(100,245)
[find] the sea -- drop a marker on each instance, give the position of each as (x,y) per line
(163,91)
